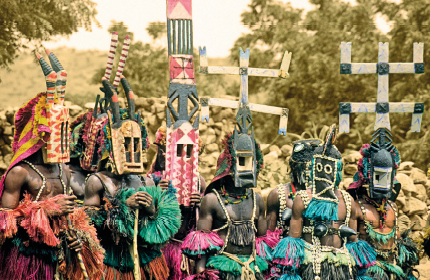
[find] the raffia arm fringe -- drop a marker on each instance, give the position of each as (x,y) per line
(202,242)
(289,252)
(264,246)
(321,210)
(208,274)
(36,219)
(364,255)
(167,219)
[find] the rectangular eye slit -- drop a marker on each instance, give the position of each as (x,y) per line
(241,161)
(189,150)
(127,142)
(377,177)
(62,138)
(136,145)
(66,135)
(179,149)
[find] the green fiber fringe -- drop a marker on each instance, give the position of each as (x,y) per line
(119,256)
(338,259)
(382,265)
(321,210)
(41,250)
(167,219)
(224,263)
(380,238)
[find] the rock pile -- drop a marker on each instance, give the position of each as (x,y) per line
(413,201)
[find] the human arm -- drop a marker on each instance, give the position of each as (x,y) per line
(272,209)
(93,191)
(14,182)
(353,221)
(262,223)
(205,223)
(296,223)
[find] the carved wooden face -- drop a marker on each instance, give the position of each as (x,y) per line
(127,148)
(56,149)
(182,160)
(89,158)
(245,171)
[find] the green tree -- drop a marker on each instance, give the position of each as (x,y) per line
(315,87)
(23,21)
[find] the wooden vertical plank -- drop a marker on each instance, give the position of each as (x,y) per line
(183,36)
(169,39)
(382,120)
(188,36)
(383,79)
(191,36)
(285,64)
(344,123)
(174,36)
(244,63)
(179,36)
(383,53)
(416,122)
(203,57)
(345,52)
(283,122)
(418,52)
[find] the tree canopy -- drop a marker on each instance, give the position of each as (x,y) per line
(23,21)
(315,87)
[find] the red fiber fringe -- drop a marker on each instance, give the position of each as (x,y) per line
(155,270)
(200,241)
(173,256)
(16,266)
(36,220)
(208,274)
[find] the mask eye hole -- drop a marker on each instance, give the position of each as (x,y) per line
(328,169)
(319,167)
(189,150)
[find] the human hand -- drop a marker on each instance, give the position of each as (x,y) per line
(195,199)
(67,204)
(164,184)
(74,242)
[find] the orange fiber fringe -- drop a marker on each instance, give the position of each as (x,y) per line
(155,270)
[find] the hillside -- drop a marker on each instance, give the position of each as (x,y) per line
(26,78)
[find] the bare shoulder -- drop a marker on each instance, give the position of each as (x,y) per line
(272,198)
(17,176)
(148,181)
(210,201)
(298,204)
(203,184)
(94,183)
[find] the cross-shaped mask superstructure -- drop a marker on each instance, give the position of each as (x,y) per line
(244,71)
(383,68)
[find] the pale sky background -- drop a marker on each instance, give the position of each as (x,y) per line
(216,24)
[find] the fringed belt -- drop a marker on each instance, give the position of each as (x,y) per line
(246,271)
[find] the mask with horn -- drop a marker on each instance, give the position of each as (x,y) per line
(90,156)
(125,130)
(377,168)
(56,149)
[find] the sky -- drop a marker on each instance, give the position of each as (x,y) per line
(216,24)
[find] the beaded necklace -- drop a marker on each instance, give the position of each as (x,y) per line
(44,178)
(228,200)
(381,208)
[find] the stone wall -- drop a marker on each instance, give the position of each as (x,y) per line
(413,201)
